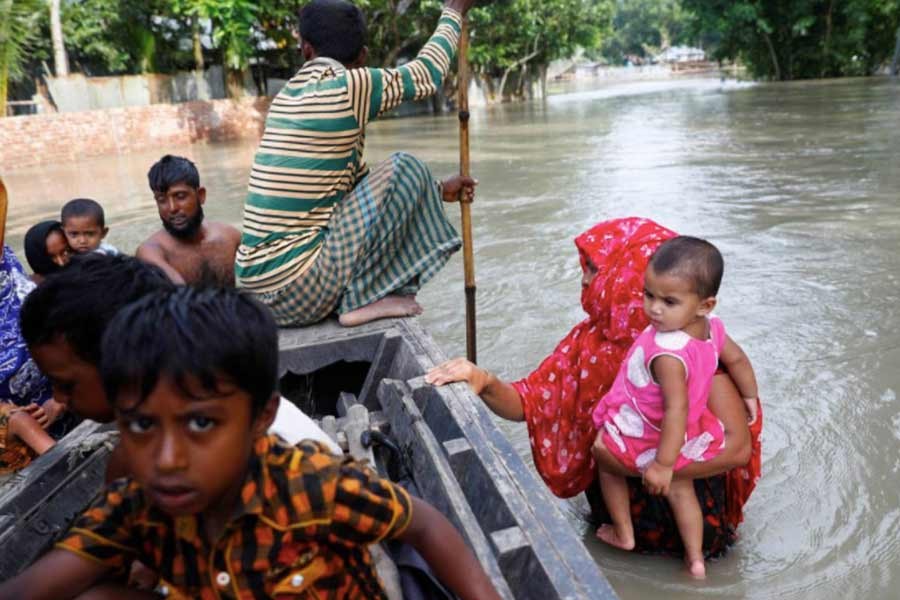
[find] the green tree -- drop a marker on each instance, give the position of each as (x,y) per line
(18,32)
(801,38)
(112,37)
(522,34)
(644,27)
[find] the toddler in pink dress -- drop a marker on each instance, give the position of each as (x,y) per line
(655,419)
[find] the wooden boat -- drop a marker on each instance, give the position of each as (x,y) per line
(366,386)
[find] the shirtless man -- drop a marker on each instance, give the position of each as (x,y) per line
(188,249)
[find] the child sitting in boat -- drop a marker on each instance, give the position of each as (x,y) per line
(213,504)
(655,420)
(46,249)
(85,227)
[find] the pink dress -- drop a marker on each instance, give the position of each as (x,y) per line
(630,415)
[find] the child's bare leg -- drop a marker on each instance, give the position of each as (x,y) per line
(683,500)
(615,494)
(26,428)
(389,306)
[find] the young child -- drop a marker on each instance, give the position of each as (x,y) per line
(655,420)
(215,506)
(46,249)
(85,226)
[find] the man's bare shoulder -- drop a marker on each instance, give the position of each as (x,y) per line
(223,231)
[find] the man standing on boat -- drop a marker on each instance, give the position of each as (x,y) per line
(321,232)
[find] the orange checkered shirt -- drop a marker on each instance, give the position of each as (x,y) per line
(303,528)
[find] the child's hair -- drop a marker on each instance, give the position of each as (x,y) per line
(170,170)
(206,335)
(78,302)
(692,258)
(83,207)
(335,28)
(36,247)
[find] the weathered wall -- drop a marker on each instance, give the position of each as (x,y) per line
(41,139)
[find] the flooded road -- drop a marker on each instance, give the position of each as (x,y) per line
(798,185)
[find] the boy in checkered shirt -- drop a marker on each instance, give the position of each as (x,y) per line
(215,506)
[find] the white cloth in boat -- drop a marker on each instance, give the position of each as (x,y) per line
(294,425)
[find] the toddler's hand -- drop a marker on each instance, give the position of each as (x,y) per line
(752,405)
(657,479)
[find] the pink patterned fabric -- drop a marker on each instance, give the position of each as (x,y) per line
(559,397)
(631,414)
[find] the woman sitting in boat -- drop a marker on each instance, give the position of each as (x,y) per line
(26,406)
(556,401)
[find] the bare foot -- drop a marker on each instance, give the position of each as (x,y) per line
(607,533)
(696,568)
(389,306)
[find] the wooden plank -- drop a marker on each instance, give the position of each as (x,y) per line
(559,548)
(434,476)
(34,531)
(382,364)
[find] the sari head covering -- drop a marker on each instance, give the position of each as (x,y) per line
(559,397)
(36,247)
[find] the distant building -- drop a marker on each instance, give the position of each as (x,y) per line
(680,54)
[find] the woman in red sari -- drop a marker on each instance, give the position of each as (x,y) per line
(557,399)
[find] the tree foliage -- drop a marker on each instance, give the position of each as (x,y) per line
(801,38)
(641,28)
(504,33)
(18,34)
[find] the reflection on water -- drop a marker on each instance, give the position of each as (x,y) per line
(798,184)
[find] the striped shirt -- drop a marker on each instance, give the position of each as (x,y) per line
(302,528)
(310,155)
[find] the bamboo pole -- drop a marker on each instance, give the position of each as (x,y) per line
(464,204)
(4,203)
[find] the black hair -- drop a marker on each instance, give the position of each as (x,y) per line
(36,247)
(335,28)
(693,258)
(79,301)
(206,335)
(83,207)
(170,170)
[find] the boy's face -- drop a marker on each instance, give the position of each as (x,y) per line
(76,382)
(190,451)
(84,233)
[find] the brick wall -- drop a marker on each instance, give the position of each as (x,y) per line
(53,138)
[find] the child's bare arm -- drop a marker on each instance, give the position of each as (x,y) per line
(741,372)
(443,548)
(669,372)
(57,575)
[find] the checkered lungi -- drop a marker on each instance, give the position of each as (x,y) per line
(389,235)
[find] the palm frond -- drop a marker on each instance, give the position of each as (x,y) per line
(18,30)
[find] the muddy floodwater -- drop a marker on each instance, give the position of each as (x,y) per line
(799,186)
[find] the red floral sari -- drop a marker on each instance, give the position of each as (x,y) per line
(560,395)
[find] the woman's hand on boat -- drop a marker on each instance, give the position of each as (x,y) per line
(459,369)
(452,186)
